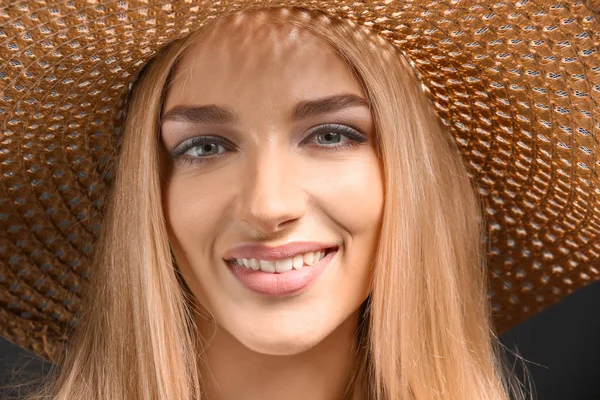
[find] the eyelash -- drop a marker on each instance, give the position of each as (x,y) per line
(355,138)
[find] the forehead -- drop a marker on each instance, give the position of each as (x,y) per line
(245,58)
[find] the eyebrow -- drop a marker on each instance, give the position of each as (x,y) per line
(209,114)
(325,105)
(214,114)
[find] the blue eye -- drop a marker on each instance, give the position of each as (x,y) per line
(323,137)
(202,147)
(330,137)
(335,136)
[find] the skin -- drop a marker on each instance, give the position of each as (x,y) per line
(278,182)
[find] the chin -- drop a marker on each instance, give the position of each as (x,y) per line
(282,343)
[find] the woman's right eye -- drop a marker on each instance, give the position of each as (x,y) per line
(205,149)
(202,147)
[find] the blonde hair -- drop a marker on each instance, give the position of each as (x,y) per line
(426,331)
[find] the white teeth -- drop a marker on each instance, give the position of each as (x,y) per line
(298,261)
(267,266)
(285,265)
(309,258)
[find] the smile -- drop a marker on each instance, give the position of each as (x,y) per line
(287,264)
(282,277)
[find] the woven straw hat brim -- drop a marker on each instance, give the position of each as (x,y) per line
(516,82)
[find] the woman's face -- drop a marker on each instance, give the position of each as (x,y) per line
(271,161)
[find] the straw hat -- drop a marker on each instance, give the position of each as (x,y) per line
(516,82)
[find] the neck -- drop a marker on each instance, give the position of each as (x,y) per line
(231,371)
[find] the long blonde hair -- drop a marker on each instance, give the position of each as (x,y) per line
(426,331)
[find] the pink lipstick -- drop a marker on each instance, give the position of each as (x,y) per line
(280,271)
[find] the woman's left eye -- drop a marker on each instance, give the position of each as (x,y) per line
(334,136)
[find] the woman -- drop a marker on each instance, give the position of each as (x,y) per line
(289,142)
(286,203)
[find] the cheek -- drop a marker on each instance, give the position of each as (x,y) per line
(188,212)
(194,205)
(353,205)
(354,197)
(194,208)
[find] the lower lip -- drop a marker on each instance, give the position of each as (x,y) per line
(281,284)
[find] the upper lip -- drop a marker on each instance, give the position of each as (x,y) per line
(268,253)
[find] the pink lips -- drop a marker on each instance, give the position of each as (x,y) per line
(278,284)
(262,252)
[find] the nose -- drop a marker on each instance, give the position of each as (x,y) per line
(272,197)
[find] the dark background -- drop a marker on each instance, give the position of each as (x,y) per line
(561,346)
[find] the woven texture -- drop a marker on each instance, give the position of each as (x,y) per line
(516,82)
